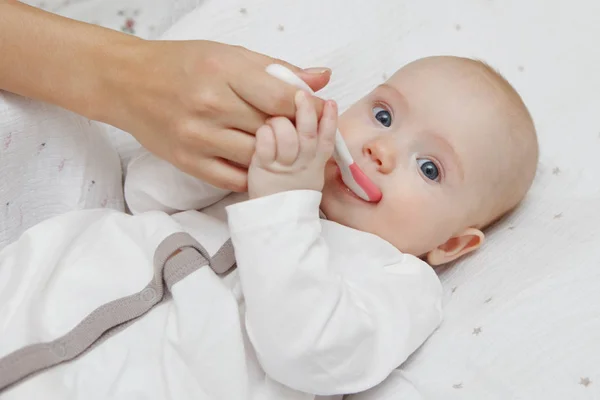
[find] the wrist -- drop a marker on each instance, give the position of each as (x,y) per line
(116,64)
(58,60)
(277,208)
(263,182)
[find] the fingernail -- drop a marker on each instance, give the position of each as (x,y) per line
(317,70)
(300,96)
(333,105)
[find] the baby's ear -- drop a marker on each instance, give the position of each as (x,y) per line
(457,246)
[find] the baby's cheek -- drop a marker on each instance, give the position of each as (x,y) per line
(352,128)
(411,224)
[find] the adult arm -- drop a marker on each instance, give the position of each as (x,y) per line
(195,104)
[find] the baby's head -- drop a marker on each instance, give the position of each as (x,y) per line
(452,147)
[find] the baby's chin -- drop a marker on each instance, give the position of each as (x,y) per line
(338,203)
(327,193)
(333,210)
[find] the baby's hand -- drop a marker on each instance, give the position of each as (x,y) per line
(293,158)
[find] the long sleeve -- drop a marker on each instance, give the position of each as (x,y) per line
(153,184)
(327,320)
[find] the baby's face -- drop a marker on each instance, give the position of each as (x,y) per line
(425,139)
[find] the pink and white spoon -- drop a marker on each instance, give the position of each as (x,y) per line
(352,175)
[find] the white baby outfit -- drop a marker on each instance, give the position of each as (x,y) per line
(313,307)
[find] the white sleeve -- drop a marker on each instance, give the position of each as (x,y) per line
(153,184)
(315,328)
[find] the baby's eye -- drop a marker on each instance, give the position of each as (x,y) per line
(429,169)
(383,116)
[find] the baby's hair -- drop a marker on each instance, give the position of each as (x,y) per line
(522,140)
(507,88)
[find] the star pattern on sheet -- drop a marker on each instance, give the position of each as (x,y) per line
(454,289)
(8,141)
(458,386)
(558,216)
(457,27)
(280,28)
(41,147)
(488,300)
(476,331)
(129,26)
(510,228)
(243,11)
(521,68)
(585,381)
(556,171)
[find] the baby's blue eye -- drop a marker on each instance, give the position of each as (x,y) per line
(429,169)
(383,116)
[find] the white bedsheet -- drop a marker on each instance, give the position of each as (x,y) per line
(522,315)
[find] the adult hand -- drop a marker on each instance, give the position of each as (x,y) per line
(198,104)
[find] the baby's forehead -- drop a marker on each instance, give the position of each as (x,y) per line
(452,91)
(445,76)
(455,100)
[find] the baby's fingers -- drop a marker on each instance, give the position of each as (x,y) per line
(306,116)
(286,138)
(266,148)
(306,126)
(327,130)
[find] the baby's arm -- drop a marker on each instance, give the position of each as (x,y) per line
(316,326)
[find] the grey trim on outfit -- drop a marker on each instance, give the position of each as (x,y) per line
(170,266)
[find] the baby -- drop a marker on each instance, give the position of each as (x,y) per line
(316,306)
(448,141)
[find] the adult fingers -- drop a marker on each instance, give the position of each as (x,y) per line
(219,173)
(240,115)
(268,94)
(316,77)
(200,139)
(234,145)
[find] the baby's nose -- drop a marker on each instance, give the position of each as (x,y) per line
(382,154)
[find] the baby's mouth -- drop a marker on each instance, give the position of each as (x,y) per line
(345,188)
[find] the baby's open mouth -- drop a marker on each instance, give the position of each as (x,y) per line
(344,187)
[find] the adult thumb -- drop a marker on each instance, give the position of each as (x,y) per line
(316,78)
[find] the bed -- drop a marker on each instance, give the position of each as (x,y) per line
(522,315)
